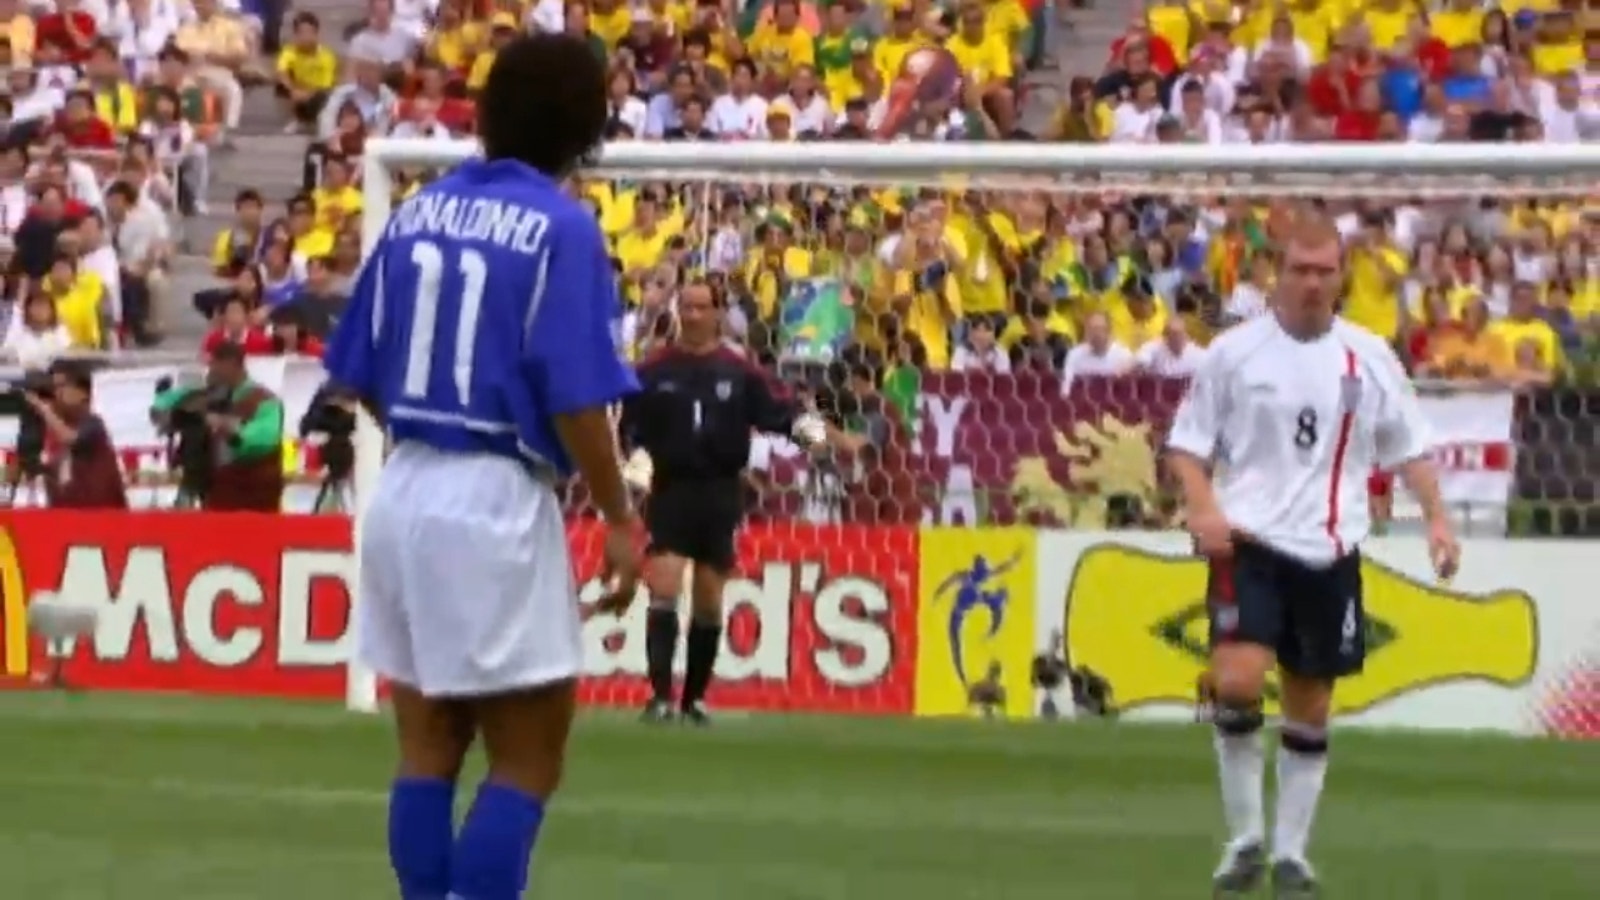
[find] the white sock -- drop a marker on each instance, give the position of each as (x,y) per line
(1241,768)
(1302,768)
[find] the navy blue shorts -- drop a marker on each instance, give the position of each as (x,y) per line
(1311,617)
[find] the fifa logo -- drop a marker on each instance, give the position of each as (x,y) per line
(978,587)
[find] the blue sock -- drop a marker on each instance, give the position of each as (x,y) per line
(421,814)
(495,844)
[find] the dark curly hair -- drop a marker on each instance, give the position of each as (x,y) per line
(544,103)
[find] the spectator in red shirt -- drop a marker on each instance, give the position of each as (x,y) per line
(1334,85)
(1162,57)
(1361,122)
(1432,54)
(69,28)
(234,327)
(454,113)
(81,127)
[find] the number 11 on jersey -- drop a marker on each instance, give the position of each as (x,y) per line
(474,270)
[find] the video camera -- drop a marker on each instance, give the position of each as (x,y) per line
(184,426)
(329,415)
(30,427)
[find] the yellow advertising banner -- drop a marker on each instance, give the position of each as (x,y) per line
(975,622)
(1137,618)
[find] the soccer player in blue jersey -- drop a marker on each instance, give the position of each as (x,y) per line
(482,333)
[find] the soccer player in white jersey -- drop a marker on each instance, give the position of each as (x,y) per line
(1292,409)
(482,333)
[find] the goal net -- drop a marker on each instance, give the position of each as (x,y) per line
(930,297)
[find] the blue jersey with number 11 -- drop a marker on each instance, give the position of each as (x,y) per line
(488,306)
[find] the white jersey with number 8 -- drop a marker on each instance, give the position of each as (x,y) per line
(1295,428)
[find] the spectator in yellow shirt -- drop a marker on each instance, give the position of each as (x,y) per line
(1529,367)
(926,299)
(1471,351)
(1316,22)
(115,100)
(1460,23)
(1171,21)
(641,247)
(502,31)
(779,47)
(79,295)
(610,20)
(310,239)
(1558,46)
(455,41)
(992,246)
(1523,324)
(1387,21)
(892,49)
(337,199)
(834,50)
(770,267)
(307,70)
(1139,318)
(240,243)
(985,58)
(1377,269)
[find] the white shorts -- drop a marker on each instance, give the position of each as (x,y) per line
(466,584)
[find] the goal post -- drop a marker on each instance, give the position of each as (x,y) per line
(956,487)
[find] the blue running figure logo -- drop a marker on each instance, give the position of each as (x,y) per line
(973,587)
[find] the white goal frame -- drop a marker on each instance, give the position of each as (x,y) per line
(941,163)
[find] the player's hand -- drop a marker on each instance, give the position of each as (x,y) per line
(620,570)
(1213,536)
(1443,550)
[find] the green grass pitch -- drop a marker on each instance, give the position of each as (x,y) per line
(112,797)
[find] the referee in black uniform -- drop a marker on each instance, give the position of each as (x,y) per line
(688,431)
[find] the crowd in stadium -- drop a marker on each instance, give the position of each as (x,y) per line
(116,107)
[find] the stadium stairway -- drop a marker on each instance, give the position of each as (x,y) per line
(270,161)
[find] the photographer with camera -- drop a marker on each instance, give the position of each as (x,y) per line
(229,436)
(76,458)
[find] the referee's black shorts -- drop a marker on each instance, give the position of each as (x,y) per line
(696,520)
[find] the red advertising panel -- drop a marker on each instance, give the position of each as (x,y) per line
(823,619)
(820,618)
(218,604)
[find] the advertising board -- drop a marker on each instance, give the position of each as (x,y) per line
(259,605)
(831,618)
(1511,644)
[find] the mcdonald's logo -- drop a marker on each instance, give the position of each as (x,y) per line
(13,610)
